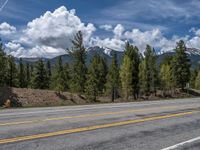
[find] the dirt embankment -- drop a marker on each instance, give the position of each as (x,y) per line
(37,98)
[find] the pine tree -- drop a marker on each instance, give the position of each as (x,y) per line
(113,84)
(22,74)
(28,75)
(144,87)
(12,72)
(102,73)
(166,77)
(149,72)
(193,77)
(181,65)
(39,79)
(166,74)
(31,71)
(79,67)
(49,74)
(2,65)
(59,79)
(126,76)
(133,53)
(92,84)
(96,77)
(197,81)
(66,71)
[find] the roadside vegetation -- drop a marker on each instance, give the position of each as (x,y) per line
(137,76)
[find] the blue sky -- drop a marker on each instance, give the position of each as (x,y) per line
(157,22)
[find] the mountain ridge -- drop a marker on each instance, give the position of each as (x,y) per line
(107,53)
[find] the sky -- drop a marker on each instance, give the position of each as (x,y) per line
(33,28)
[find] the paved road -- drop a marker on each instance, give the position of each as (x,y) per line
(155,125)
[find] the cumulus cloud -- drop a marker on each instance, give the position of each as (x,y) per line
(6,29)
(195,31)
(56,29)
(194,42)
(17,50)
(52,33)
(106,27)
(153,37)
(112,43)
(137,37)
(118,31)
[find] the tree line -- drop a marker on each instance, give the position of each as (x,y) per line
(137,75)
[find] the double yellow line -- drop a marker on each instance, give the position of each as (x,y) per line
(94,115)
(95,127)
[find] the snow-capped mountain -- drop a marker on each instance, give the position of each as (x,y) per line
(107,53)
(193,55)
(193,51)
(105,50)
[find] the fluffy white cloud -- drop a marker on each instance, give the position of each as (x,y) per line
(17,50)
(112,43)
(137,37)
(106,27)
(118,31)
(194,42)
(6,29)
(56,29)
(195,31)
(51,34)
(14,49)
(153,37)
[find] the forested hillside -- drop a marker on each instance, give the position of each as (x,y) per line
(134,77)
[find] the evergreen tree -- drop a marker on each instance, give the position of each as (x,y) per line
(193,77)
(31,71)
(28,75)
(126,76)
(181,65)
(22,74)
(197,81)
(66,71)
(92,84)
(166,74)
(113,79)
(166,77)
(143,77)
(149,73)
(12,76)
(96,77)
(49,74)
(59,79)
(134,55)
(103,70)
(39,79)
(2,65)
(79,67)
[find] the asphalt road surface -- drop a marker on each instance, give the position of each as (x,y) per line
(153,125)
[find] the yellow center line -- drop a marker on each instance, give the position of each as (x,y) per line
(95,127)
(94,115)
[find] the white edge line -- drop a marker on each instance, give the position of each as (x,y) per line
(181,144)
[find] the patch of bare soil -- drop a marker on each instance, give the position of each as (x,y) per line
(37,98)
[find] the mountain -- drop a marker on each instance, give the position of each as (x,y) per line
(30,60)
(193,54)
(103,52)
